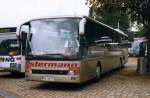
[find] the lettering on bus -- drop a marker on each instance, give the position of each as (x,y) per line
(7,59)
(53,65)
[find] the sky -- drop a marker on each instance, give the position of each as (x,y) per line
(15,12)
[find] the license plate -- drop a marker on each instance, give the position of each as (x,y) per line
(47,78)
(13,65)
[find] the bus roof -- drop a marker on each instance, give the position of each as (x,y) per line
(79,16)
(116,30)
(121,32)
(58,16)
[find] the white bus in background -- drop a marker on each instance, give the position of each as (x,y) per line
(71,49)
(11,51)
(136,46)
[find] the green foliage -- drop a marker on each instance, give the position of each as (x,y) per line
(139,10)
(130,36)
(113,17)
(141,32)
(124,11)
(110,12)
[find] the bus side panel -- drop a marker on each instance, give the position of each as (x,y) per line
(22,64)
(95,58)
(84,71)
(125,55)
(114,56)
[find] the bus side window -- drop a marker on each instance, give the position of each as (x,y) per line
(93,33)
(103,41)
(23,40)
(3,47)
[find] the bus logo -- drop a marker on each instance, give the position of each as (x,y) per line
(42,64)
(7,59)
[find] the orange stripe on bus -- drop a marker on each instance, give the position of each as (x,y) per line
(74,68)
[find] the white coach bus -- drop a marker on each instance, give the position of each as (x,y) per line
(11,52)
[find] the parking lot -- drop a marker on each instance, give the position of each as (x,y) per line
(125,83)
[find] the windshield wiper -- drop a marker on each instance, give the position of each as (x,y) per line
(44,54)
(53,54)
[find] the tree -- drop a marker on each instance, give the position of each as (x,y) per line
(148,36)
(110,13)
(137,9)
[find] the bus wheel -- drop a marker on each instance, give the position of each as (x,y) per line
(121,63)
(98,73)
(14,73)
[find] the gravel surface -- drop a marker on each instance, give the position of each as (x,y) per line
(125,83)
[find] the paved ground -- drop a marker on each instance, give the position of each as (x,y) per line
(1,97)
(124,83)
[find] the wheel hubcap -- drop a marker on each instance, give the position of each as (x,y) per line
(98,71)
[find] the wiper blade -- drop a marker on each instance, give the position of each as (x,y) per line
(52,54)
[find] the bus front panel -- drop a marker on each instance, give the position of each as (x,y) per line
(53,71)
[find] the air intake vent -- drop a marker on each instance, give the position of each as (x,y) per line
(52,72)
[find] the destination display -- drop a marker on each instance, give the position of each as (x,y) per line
(7,30)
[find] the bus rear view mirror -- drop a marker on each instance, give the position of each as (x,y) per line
(82,26)
(23,32)
(25,29)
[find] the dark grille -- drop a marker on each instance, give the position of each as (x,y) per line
(7,30)
(53,72)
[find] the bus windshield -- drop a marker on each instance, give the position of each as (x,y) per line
(53,36)
(9,44)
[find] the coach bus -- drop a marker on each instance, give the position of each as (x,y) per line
(11,57)
(71,49)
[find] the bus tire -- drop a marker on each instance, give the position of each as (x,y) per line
(121,63)
(98,73)
(14,73)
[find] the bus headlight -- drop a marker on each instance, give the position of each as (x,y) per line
(74,71)
(71,72)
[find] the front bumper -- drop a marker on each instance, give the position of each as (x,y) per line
(13,68)
(54,78)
